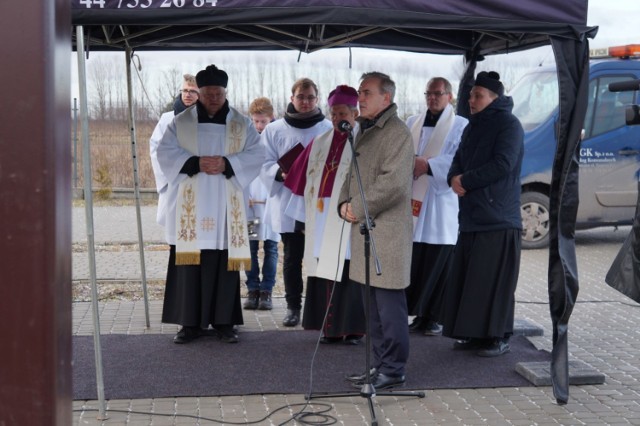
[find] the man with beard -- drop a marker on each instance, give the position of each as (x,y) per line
(302,122)
(209,153)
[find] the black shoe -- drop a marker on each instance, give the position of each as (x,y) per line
(416,325)
(265,303)
(226,334)
(329,340)
(252,301)
(352,339)
(470,344)
(382,381)
(187,334)
(361,377)
(499,347)
(292,318)
(433,329)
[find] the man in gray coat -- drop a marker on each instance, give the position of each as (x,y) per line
(385,157)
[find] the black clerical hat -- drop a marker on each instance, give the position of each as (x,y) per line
(212,76)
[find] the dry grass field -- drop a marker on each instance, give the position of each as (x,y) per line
(111,154)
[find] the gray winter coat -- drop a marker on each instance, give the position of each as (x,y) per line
(385,158)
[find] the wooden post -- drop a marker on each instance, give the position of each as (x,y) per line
(35,218)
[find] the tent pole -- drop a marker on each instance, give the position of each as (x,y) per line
(88,207)
(136,184)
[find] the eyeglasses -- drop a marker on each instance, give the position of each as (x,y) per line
(436,94)
(189,92)
(214,95)
(303,98)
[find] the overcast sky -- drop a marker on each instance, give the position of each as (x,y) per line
(618,22)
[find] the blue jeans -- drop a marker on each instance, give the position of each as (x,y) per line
(269,265)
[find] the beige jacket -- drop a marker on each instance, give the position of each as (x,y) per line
(385,159)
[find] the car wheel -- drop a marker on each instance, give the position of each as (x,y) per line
(534,208)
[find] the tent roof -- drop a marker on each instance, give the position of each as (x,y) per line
(444,27)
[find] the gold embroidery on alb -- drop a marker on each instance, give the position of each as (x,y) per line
(235,131)
(188,215)
(314,167)
(207,224)
(237,224)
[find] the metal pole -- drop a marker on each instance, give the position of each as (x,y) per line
(136,184)
(88,207)
(75,143)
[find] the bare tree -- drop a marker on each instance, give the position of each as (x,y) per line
(99,82)
(169,85)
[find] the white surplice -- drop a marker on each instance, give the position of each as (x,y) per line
(259,194)
(438,219)
(162,183)
(278,138)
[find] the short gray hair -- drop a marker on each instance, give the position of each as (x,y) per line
(447,86)
(386,84)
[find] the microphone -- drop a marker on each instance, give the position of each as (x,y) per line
(624,86)
(344,126)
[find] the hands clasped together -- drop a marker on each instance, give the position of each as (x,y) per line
(456,185)
(212,165)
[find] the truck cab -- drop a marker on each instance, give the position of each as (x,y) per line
(609,153)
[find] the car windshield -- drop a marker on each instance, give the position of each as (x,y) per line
(535,97)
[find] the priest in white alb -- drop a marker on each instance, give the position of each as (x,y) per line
(436,135)
(333,303)
(209,153)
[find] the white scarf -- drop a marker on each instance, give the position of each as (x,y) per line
(433,148)
(333,248)
(187,251)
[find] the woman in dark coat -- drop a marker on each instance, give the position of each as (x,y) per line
(485,173)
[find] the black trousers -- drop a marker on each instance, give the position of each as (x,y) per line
(389,331)
(293,243)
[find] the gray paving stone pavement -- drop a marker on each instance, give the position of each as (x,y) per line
(604,333)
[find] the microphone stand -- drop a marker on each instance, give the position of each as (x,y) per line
(367,390)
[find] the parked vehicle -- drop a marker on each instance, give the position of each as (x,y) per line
(609,152)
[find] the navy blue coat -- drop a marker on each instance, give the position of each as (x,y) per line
(489,159)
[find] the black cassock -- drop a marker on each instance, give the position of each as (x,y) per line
(479,301)
(346,310)
(202,295)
